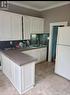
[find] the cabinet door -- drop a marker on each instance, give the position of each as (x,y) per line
(1,25)
(43,54)
(5,26)
(18,77)
(16,27)
(41,25)
(34,53)
(37,25)
(6,66)
(39,54)
(12,71)
(10,26)
(34,25)
(26,27)
(29,72)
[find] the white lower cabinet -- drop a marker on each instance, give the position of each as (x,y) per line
(6,66)
(43,54)
(28,75)
(40,54)
(22,77)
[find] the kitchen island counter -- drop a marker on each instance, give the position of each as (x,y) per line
(19,68)
(18,57)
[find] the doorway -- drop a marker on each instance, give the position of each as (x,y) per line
(53,39)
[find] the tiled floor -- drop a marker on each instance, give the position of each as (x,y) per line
(47,83)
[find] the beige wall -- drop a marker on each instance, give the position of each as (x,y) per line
(58,14)
(23,11)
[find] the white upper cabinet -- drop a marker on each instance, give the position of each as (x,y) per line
(10,26)
(1,25)
(16,26)
(26,27)
(32,25)
(37,25)
(5,27)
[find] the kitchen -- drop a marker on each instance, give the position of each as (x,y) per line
(22,33)
(21,43)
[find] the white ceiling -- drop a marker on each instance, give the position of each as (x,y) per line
(39,5)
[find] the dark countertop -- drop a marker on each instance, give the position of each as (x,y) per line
(18,57)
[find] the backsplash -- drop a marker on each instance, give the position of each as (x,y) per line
(12,44)
(39,39)
(35,39)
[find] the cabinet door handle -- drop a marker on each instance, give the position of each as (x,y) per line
(22,29)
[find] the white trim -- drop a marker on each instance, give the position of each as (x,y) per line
(50,37)
(26,90)
(54,6)
(25,6)
(36,9)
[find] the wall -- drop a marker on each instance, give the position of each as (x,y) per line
(58,14)
(24,11)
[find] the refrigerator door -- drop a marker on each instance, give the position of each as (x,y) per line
(63,36)
(62,65)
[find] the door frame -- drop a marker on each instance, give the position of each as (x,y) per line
(50,37)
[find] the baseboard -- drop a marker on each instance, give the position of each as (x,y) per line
(26,90)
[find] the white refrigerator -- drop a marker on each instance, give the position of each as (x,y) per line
(62,64)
